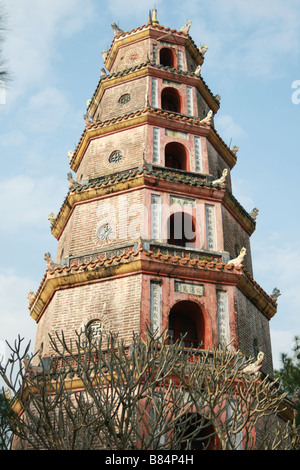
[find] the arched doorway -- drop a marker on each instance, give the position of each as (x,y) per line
(170,100)
(181,230)
(199,434)
(186,323)
(167,57)
(176,156)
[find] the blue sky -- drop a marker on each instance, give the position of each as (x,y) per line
(53,51)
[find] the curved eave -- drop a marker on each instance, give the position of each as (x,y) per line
(156,32)
(158,178)
(153,116)
(149,262)
(150,69)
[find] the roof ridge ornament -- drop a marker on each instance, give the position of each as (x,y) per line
(154,16)
(116,29)
(185,29)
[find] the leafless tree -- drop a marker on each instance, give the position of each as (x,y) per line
(151,394)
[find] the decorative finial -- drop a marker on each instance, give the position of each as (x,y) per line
(154,16)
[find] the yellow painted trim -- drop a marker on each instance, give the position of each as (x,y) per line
(77,276)
(261,301)
(93,193)
(93,272)
(90,133)
(123,41)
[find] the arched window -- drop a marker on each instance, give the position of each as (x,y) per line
(181,229)
(186,322)
(199,432)
(167,57)
(176,156)
(170,100)
(94,329)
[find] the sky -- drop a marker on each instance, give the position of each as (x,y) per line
(53,54)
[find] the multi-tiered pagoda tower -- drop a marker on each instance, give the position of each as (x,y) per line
(150,232)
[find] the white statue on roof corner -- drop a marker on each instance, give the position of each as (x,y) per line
(51,218)
(104,54)
(255,367)
(235,149)
(238,261)
(202,49)
(275,294)
(185,29)
(116,29)
(254,213)
(222,179)
(50,264)
(208,118)
(197,70)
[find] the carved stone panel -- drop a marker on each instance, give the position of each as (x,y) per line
(155,217)
(211,240)
(223,318)
(156,306)
(189,288)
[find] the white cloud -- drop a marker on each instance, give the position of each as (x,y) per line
(27,201)
(14,314)
(282,342)
(247,38)
(277,264)
(46,110)
(130,8)
(33,28)
(228,128)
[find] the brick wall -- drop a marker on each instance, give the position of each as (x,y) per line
(236,238)
(124,213)
(217,165)
(115,302)
(131,143)
(252,326)
(130,55)
(111,105)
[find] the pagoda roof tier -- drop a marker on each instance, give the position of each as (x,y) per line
(154,31)
(165,179)
(153,116)
(148,261)
(155,70)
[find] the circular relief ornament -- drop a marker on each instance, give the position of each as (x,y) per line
(124,98)
(104,232)
(115,157)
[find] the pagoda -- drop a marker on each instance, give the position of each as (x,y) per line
(150,233)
